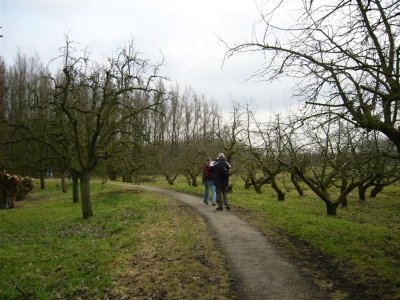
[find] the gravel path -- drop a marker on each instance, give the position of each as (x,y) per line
(258,270)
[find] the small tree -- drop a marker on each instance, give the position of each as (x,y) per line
(383,170)
(266,148)
(320,154)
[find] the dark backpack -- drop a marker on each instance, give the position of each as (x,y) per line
(212,169)
(225,170)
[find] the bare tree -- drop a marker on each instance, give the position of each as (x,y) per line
(274,150)
(321,153)
(167,132)
(192,154)
(345,55)
(25,117)
(263,143)
(95,102)
(231,133)
(383,169)
(249,170)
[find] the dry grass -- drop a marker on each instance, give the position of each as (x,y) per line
(176,260)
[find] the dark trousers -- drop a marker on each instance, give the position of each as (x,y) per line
(221,195)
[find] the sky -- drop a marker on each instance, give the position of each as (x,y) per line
(186,33)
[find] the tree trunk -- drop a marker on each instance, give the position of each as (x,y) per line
(170,179)
(3,202)
(361,192)
(296,184)
(344,200)
(194,181)
(63,183)
(7,197)
(8,190)
(376,190)
(188,179)
(257,188)
(247,183)
(331,208)
(85,195)
(10,199)
(112,175)
(75,188)
(127,178)
(275,186)
(42,175)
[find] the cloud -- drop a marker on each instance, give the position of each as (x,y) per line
(186,32)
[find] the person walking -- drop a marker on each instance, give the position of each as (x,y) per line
(208,184)
(220,169)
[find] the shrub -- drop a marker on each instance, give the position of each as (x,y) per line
(13,188)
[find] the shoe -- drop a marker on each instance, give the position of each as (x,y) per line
(219,208)
(205,202)
(213,204)
(227,207)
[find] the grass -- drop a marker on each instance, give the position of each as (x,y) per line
(363,237)
(137,245)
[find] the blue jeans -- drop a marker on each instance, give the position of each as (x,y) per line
(207,185)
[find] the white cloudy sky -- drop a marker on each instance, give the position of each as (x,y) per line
(186,32)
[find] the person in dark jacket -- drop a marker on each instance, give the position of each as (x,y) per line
(208,183)
(220,169)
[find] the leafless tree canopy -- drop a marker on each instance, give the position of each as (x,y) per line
(345,55)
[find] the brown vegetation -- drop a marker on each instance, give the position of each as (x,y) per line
(13,188)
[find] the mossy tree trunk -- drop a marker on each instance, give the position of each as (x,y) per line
(247,182)
(276,187)
(331,208)
(256,186)
(296,184)
(170,179)
(85,195)
(361,193)
(42,176)
(376,190)
(63,182)
(75,188)
(343,187)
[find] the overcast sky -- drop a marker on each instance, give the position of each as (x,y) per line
(186,32)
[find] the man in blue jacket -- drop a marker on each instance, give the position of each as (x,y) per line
(220,169)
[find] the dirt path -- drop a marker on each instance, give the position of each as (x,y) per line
(258,270)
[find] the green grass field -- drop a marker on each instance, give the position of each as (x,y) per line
(136,245)
(363,237)
(143,245)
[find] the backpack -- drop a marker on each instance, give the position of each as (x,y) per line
(212,169)
(207,174)
(225,167)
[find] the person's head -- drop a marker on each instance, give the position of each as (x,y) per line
(221,156)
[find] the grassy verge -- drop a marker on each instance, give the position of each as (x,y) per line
(358,250)
(137,245)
